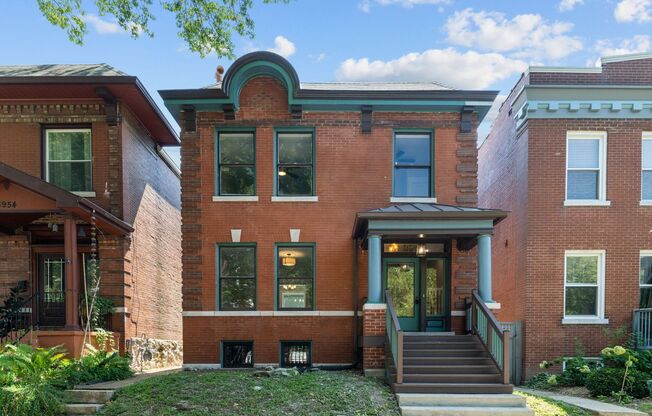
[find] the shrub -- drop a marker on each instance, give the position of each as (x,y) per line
(539,381)
(98,365)
(575,372)
(608,380)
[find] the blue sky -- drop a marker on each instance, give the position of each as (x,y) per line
(464,44)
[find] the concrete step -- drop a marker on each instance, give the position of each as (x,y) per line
(464,411)
(452,378)
(464,400)
(450,369)
(453,388)
(88,396)
(82,408)
(425,352)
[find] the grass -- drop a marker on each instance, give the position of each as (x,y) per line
(543,406)
(239,393)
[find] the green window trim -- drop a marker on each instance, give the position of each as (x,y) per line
(422,166)
(310,281)
(221,280)
(54,161)
(234,165)
(285,166)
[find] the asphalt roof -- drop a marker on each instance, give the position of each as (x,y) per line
(60,70)
(419,207)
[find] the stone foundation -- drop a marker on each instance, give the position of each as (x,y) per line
(150,353)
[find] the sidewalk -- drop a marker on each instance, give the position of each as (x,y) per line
(594,406)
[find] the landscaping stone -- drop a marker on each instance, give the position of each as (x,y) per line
(150,353)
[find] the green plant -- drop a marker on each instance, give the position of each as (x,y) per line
(11,308)
(576,371)
(98,365)
(539,381)
(609,380)
(101,309)
(33,380)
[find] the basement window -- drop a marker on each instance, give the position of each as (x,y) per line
(238,354)
(296,354)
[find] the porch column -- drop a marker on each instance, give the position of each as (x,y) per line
(72,272)
(374,271)
(484,267)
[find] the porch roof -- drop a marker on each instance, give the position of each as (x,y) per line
(417,216)
(63,201)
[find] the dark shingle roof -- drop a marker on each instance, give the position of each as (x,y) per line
(419,207)
(60,70)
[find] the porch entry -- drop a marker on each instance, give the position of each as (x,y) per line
(420,290)
(51,289)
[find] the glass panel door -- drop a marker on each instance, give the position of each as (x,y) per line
(436,295)
(52,295)
(401,279)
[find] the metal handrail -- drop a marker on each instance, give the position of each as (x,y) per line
(394,337)
(642,327)
(20,323)
(495,339)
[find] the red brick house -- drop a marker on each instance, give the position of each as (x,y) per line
(570,156)
(86,188)
(306,207)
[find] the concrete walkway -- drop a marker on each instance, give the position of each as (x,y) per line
(594,406)
(115,385)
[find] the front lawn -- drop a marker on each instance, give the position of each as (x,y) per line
(239,393)
(544,406)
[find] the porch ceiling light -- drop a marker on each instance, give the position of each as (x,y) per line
(422,250)
(282,173)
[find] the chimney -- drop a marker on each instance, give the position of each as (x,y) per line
(218,73)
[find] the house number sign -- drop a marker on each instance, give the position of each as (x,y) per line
(7,204)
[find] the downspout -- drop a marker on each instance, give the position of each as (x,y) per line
(356,298)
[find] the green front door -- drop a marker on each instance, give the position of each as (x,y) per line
(401,278)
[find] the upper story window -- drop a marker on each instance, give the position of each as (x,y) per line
(646,168)
(295,164)
(237,277)
(68,155)
(584,286)
(586,168)
(413,165)
(236,162)
(295,269)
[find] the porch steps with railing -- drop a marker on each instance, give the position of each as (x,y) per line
(462,405)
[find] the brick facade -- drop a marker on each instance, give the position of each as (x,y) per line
(524,171)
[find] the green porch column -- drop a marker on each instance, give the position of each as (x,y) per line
(484,267)
(374,270)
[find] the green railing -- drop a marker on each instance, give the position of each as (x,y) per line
(495,340)
(394,338)
(642,328)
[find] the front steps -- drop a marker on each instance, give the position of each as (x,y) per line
(415,404)
(86,402)
(447,364)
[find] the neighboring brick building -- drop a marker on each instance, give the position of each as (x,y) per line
(281,186)
(570,155)
(80,156)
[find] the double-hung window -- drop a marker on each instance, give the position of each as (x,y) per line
(295,168)
(413,165)
(586,169)
(237,277)
(584,286)
(646,168)
(236,162)
(295,268)
(68,163)
(645,279)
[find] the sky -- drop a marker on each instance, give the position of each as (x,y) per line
(465,44)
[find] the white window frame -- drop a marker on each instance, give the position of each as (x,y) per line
(587,319)
(643,253)
(602,167)
(645,136)
(86,194)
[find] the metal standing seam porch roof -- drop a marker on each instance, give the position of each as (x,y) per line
(423,211)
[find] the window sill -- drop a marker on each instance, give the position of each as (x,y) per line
(403,200)
(646,203)
(295,199)
(585,321)
(586,203)
(235,198)
(85,194)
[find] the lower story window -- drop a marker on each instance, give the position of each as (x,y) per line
(645,279)
(584,284)
(296,274)
(237,354)
(296,354)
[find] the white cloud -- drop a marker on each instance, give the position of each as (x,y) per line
(283,46)
(568,5)
(468,70)
(101,26)
(365,6)
(635,44)
(633,11)
(524,36)
(410,3)
(318,57)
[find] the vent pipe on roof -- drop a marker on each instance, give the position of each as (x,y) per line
(218,73)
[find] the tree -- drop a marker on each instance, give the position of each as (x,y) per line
(206,26)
